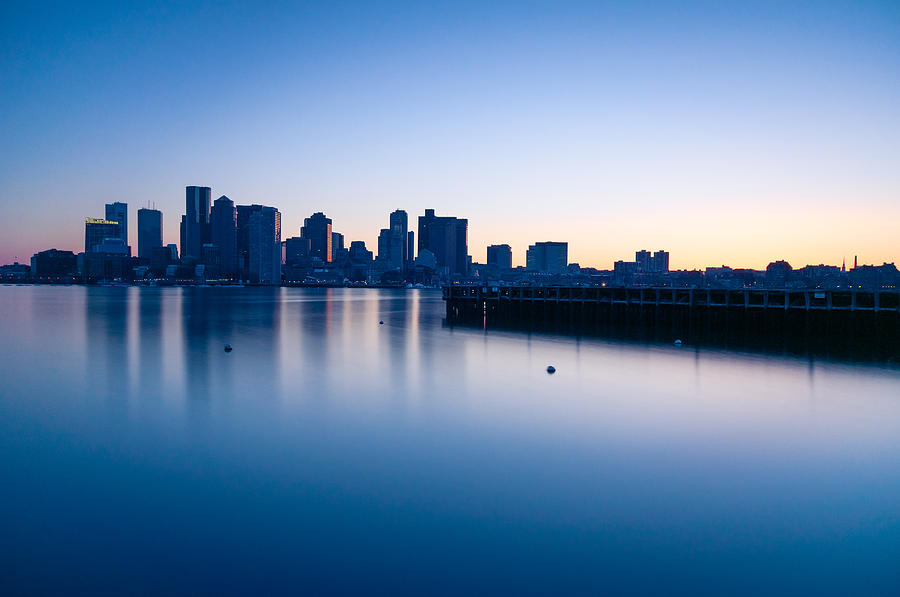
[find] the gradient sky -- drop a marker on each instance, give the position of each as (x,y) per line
(732,135)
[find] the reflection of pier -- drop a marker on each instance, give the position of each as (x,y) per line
(844,319)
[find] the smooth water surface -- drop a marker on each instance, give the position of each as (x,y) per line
(331,453)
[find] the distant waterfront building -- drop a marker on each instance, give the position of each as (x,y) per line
(265,246)
(393,243)
(500,256)
(547,257)
(337,244)
(53,264)
(623,272)
(446,238)
(778,274)
(400,248)
(195,222)
(211,259)
(296,250)
(360,261)
(644,261)
(243,238)
(661,262)
(317,228)
(118,212)
(223,234)
(96,231)
(150,233)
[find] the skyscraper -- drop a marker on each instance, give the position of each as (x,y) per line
(500,256)
(96,231)
(118,212)
(223,234)
(447,238)
(195,223)
(393,242)
(317,228)
(547,257)
(265,246)
(337,244)
(243,238)
(149,231)
(399,221)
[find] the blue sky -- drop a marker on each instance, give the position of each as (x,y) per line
(726,134)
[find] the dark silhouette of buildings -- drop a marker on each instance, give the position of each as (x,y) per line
(360,262)
(195,222)
(149,231)
(54,265)
(446,238)
(547,257)
(223,234)
(161,258)
(499,256)
(317,228)
(778,273)
(296,251)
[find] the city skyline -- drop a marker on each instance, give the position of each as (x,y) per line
(479,256)
(727,136)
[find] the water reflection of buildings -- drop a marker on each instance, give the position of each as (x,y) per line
(150,342)
(250,321)
(106,320)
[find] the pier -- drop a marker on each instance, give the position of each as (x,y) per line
(841,322)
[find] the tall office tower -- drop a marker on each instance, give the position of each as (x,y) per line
(500,256)
(337,243)
(243,238)
(317,228)
(391,248)
(118,212)
(195,223)
(223,234)
(644,261)
(447,239)
(393,242)
(149,231)
(264,232)
(399,222)
(410,250)
(661,262)
(547,257)
(96,231)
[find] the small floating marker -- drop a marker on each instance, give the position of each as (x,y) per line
(228,348)
(551,369)
(678,342)
(380,323)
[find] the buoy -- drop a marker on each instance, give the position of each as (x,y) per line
(228,348)
(380,323)
(677,342)
(551,369)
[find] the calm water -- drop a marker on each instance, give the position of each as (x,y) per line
(328,453)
